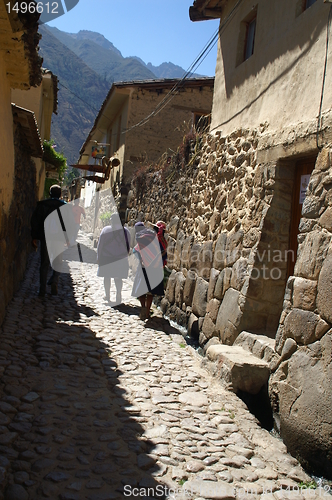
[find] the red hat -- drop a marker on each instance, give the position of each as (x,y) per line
(160,225)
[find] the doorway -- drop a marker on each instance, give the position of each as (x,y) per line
(303,170)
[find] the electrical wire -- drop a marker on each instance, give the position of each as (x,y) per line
(319,119)
(176,88)
(78,97)
(197,62)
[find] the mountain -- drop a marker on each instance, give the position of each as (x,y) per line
(81,93)
(167,70)
(86,64)
(101,56)
(105,59)
(97,38)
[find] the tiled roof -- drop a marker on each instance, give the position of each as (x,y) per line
(30,135)
(206,9)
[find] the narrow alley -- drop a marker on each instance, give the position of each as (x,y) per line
(96,404)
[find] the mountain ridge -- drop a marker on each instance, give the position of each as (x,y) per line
(87,64)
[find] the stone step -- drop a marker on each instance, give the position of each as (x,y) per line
(238,368)
(261,346)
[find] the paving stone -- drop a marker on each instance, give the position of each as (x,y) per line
(107,401)
(15,492)
(194,466)
(57,476)
(210,489)
(145,461)
(30,397)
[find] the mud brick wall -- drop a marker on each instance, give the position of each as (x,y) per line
(15,240)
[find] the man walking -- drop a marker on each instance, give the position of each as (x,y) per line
(41,212)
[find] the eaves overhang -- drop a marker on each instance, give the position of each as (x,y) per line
(31,140)
(203,10)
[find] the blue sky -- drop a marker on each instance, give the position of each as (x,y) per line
(157,31)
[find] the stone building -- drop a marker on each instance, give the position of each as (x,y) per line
(20,68)
(122,129)
(250,224)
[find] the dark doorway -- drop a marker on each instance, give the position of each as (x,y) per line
(303,170)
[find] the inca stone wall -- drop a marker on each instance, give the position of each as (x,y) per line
(228,223)
(15,240)
(302,385)
(103,202)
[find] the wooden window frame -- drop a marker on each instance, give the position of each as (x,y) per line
(249,49)
(244,28)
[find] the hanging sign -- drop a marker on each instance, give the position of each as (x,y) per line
(303,187)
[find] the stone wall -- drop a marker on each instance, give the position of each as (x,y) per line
(301,387)
(15,240)
(103,202)
(226,216)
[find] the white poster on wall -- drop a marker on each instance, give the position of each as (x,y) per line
(303,187)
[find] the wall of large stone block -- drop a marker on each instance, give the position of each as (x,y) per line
(227,218)
(301,387)
(15,240)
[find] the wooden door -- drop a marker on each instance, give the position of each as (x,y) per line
(303,171)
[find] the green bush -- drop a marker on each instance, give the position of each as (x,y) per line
(58,160)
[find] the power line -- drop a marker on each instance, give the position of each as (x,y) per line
(171,94)
(197,62)
(319,119)
(78,97)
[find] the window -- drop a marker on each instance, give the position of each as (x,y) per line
(201,122)
(308,3)
(250,39)
(246,40)
(302,6)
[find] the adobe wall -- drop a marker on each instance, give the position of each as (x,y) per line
(6,134)
(164,132)
(15,239)
(282,81)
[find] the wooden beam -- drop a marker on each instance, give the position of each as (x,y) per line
(91,168)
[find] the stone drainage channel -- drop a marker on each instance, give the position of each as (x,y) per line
(259,405)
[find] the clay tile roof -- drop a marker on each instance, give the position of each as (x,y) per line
(206,9)
(31,139)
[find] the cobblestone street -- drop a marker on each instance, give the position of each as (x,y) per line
(96,404)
